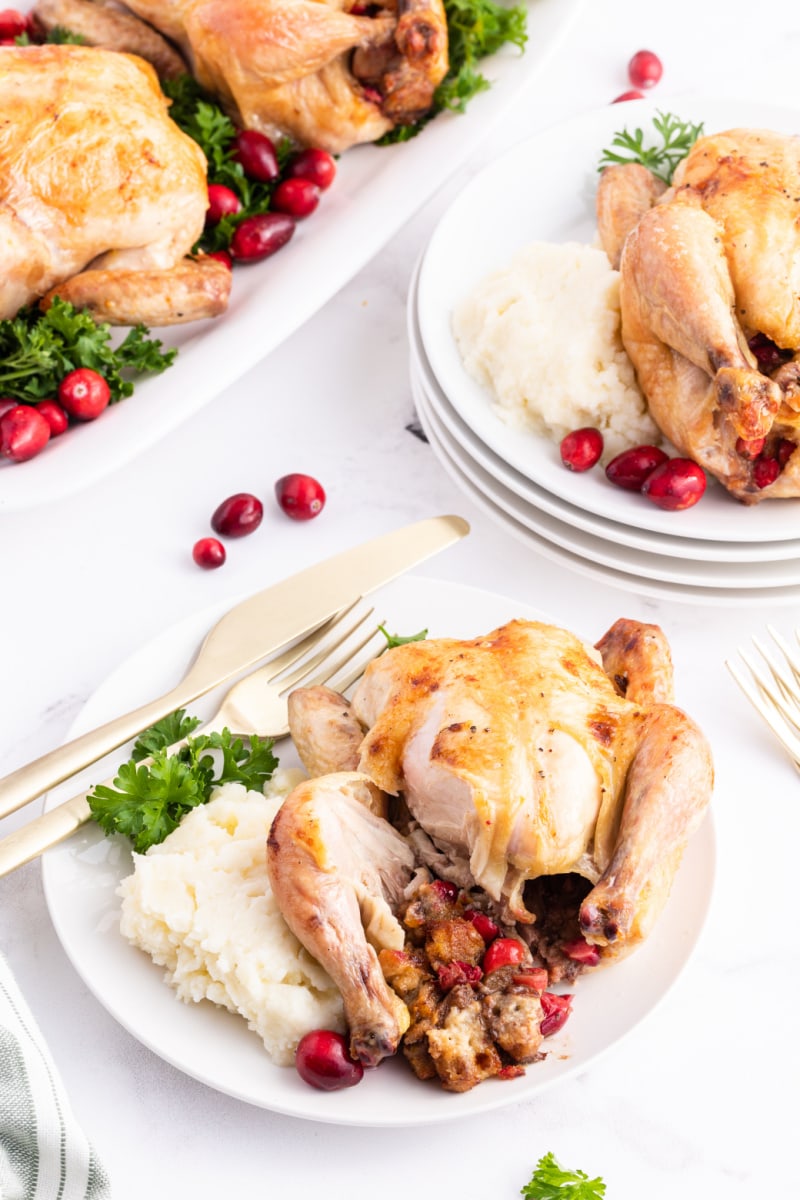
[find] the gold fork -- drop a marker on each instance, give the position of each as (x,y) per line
(776,694)
(256,705)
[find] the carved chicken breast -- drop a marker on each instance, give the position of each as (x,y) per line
(710,300)
(94,174)
(518,757)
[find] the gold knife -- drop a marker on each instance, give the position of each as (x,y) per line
(249,632)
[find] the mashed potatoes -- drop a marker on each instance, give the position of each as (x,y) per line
(200,904)
(543,335)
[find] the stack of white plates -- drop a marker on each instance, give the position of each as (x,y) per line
(718,552)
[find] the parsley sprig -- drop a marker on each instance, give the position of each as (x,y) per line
(394,639)
(149,798)
(550,1181)
(676,140)
(38,349)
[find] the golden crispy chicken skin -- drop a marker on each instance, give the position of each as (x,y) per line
(710,300)
(94,174)
(520,755)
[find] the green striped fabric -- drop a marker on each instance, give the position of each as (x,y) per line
(44,1155)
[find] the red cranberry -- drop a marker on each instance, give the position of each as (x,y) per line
(750,448)
(316,165)
(784,450)
(257,155)
(222,202)
(631,95)
(630,468)
(676,484)
(12,24)
(445,889)
(55,416)
(645,69)
(6,404)
(23,433)
(767,354)
(297,197)
(556,1009)
(765,471)
(581,449)
(300,496)
(208,553)
(582,951)
(261,236)
(323,1060)
(84,394)
(536,979)
(484,925)
(456,972)
(237,516)
(504,952)
(372,95)
(223,257)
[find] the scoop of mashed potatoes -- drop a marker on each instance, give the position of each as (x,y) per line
(200,905)
(543,335)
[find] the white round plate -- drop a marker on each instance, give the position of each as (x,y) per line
(213,1046)
(520,198)
(376,191)
(546,502)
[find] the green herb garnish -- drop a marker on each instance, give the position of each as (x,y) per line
(677,138)
(148,799)
(393,639)
(38,349)
(551,1182)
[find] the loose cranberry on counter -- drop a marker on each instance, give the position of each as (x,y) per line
(237,516)
(208,553)
(55,416)
(316,165)
(765,471)
(323,1060)
(84,394)
(556,1009)
(631,95)
(23,433)
(484,925)
(581,449)
(645,69)
(504,952)
(630,468)
(261,236)
(256,153)
(297,197)
(582,951)
(675,485)
(222,202)
(300,496)
(12,24)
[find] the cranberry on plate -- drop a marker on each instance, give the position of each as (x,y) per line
(237,516)
(323,1061)
(645,69)
(208,553)
(300,496)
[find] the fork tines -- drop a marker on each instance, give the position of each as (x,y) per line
(776,694)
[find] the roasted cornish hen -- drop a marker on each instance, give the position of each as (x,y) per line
(710,300)
(516,757)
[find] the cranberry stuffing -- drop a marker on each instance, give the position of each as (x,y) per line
(23,433)
(676,484)
(750,448)
(556,1009)
(261,236)
(630,468)
(504,952)
(84,394)
(257,156)
(208,553)
(456,972)
(784,450)
(323,1060)
(582,951)
(222,202)
(535,979)
(237,516)
(631,95)
(300,496)
(315,165)
(765,471)
(297,197)
(12,24)
(645,69)
(767,354)
(445,889)
(484,925)
(581,449)
(55,416)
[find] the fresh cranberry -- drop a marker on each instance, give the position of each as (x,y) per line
(504,952)
(456,972)
(223,257)
(261,236)
(237,516)
(55,416)
(323,1060)
(631,95)
(767,354)
(297,197)
(630,468)
(300,496)
(208,553)
(222,202)
(535,979)
(484,925)
(316,165)
(645,69)
(256,153)
(581,449)
(765,471)
(676,484)
(445,889)
(784,450)
(6,404)
(556,1009)
(12,24)
(84,394)
(582,951)
(23,433)
(750,448)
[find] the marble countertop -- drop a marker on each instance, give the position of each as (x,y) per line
(693,1101)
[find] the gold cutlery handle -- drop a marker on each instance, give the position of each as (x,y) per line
(47,830)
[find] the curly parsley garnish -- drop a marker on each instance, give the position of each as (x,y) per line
(676,140)
(551,1182)
(149,798)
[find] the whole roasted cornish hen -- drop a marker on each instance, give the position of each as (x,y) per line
(710,300)
(517,758)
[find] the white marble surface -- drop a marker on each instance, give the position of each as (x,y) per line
(697,1100)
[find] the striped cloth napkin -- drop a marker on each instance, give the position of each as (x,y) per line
(44,1155)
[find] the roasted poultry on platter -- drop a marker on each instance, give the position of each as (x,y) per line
(557,783)
(710,300)
(102,195)
(321,72)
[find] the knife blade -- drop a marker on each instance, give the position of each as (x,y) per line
(252,630)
